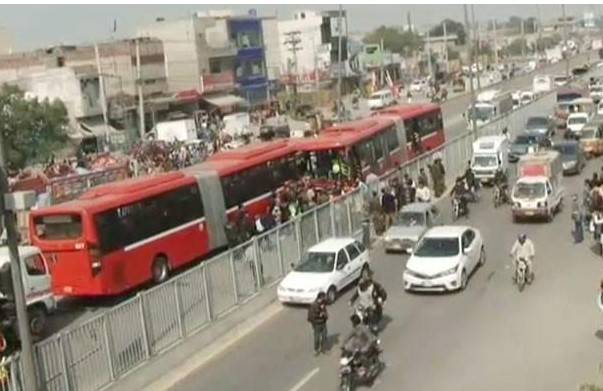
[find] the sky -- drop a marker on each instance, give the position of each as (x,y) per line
(35,26)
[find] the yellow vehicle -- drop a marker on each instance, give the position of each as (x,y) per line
(591,137)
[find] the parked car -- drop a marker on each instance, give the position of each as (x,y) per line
(444,259)
(410,225)
(541,124)
(573,158)
(380,99)
(328,266)
(525,142)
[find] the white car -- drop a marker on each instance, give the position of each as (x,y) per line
(380,99)
(600,108)
(526,97)
(560,80)
(576,121)
(329,266)
(444,259)
(596,92)
(418,85)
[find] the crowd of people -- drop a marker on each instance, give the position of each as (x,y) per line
(159,156)
(588,214)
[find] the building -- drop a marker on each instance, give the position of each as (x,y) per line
(212,52)
(303,51)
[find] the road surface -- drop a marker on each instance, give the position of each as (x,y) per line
(488,337)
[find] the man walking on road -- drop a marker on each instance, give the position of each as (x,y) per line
(577,217)
(317,316)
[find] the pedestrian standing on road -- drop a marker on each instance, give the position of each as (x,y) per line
(423,177)
(423,192)
(577,217)
(388,203)
(317,316)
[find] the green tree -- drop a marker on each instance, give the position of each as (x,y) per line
(452,27)
(32,129)
(515,47)
(394,40)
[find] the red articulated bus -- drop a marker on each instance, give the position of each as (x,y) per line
(424,120)
(367,145)
(118,236)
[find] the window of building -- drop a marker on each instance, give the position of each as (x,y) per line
(248,39)
(215,65)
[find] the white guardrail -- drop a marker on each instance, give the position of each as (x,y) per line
(95,354)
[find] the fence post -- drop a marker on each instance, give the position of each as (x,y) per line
(281,267)
(178,298)
(207,298)
(143,325)
(234,276)
(67,378)
(348,208)
(332,216)
(15,372)
(298,237)
(316,227)
(108,348)
(257,264)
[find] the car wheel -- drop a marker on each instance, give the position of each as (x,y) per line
(482,257)
(463,282)
(331,295)
(37,320)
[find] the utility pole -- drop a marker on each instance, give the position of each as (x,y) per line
(494,38)
(292,41)
(381,79)
(141,124)
(472,88)
(523,39)
(476,47)
(539,42)
(340,71)
(566,54)
(316,76)
(103,96)
(29,375)
(446,46)
(429,57)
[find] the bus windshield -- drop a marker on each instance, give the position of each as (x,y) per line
(58,227)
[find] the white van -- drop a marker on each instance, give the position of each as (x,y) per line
(36,284)
(380,99)
(542,84)
(489,156)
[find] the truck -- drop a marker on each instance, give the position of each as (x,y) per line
(489,156)
(39,298)
(178,130)
(489,105)
(538,191)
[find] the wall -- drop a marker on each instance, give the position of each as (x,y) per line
(312,51)
(272,47)
(179,39)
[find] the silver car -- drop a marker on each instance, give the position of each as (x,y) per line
(409,226)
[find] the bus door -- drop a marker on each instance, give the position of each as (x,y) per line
(214,207)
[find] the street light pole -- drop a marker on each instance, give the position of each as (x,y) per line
(472,57)
(30,375)
(567,65)
(339,71)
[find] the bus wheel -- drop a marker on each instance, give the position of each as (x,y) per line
(160,269)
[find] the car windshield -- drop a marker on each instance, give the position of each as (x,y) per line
(569,149)
(525,140)
(316,262)
(484,161)
(410,219)
(438,247)
(536,122)
(529,190)
(577,120)
(481,113)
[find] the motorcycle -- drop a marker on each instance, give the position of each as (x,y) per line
(521,277)
(457,209)
(500,196)
(368,316)
(355,370)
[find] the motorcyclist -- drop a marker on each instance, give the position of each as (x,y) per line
(471,181)
(361,340)
(459,192)
(370,296)
(523,248)
(502,182)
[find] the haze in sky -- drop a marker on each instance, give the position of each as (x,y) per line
(34,26)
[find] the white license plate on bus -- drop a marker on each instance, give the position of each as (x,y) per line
(530,213)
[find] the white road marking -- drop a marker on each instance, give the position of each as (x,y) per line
(305,379)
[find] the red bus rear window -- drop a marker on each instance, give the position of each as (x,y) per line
(58,227)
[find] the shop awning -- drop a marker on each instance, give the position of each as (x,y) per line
(225,100)
(97,129)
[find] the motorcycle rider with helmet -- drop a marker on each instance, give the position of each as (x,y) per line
(501,181)
(459,192)
(370,296)
(523,248)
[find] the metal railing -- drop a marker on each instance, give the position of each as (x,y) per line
(95,354)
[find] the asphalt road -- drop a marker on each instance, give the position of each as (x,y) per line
(488,337)
(72,312)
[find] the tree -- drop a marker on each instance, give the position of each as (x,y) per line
(394,40)
(515,47)
(452,27)
(32,129)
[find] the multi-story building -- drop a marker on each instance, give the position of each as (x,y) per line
(302,47)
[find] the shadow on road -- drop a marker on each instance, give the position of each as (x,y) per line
(599,334)
(332,341)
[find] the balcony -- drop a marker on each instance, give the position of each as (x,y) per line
(230,50)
